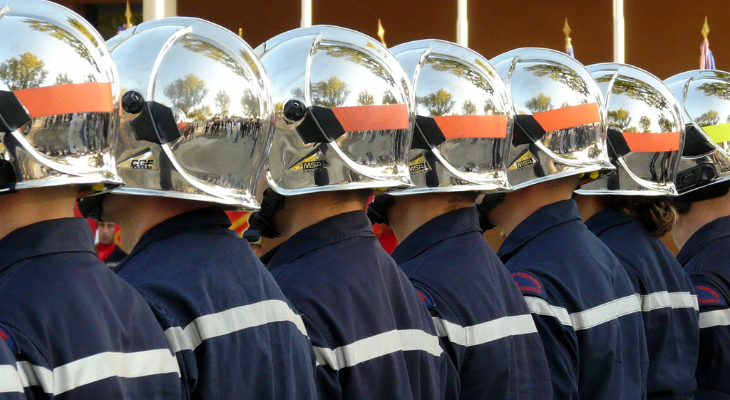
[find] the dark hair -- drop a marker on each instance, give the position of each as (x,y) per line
(457,199)
(360,195)
(657,213)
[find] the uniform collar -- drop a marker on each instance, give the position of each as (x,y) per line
(63,235)
(606,219)
(451,224)
(541,220)
(331,230)
(716,229)
(210,217)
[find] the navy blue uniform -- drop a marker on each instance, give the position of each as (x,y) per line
(584,305)
(11,388)
(372,335)
(77,331)
(233,331)
(705,258)
(481,318)
(667,300)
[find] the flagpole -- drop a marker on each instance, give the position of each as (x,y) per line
(306,13)
(462,24)
(618,32)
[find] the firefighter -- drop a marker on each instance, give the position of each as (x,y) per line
(483,322)
(631,209)
(234,333)
(702,232)
(586,310)
(342,131)
(75,329)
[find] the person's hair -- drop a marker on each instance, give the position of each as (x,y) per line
(656,212)
(457,199)
(360,195)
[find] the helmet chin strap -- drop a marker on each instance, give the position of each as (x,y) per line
(378,208)
(684,202)
(261,223)
(92,206)
(488,203)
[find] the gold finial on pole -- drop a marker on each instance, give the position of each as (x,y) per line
(128,14)
(705,29)
(381,33)
(566,29)
(240,32)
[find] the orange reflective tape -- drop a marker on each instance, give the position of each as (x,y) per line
(67,99)
(652,142)
(372,118)
(568,117)
(473,126)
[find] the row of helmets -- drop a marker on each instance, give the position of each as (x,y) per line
(183,108)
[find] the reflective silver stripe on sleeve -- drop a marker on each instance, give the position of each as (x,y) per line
(485,332)
(711,319)
(542,307)
(233,320)
(10,380)
(378,346)
(97,367)
(589,318)
(654,301)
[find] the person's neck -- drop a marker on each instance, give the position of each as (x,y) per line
(136,215)
(700,214)
(520,204)
(30,206)
(305,210)
(408,213)
(588,205)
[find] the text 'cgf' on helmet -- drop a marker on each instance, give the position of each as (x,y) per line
(198,114)
(645,133)
(343,112)
(559,127)
(59,105)
(463,129)
(704,98)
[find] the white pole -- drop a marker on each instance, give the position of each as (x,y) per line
(157,9)
(306,13)
(462,24)
(619,36)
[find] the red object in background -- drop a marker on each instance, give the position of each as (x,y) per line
(386,237)
(239,221)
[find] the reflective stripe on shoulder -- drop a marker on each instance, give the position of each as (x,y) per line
(10,380)
(711,319)
(589,318)
(487,331)
(233,320)
(654,301)
(378,346)
(97,367)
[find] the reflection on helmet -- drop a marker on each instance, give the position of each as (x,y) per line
(704,96)
(198,115)
(343,112)
(559,125)
(463,119)
(58,99)
(645,133)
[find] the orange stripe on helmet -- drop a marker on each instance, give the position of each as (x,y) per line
(652,142)
(473,126)
(372,118)
(67,99)
(568,117)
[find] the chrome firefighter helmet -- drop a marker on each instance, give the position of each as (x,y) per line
(704,97)
(645,133)
(559,127)
(463,127)
(59,94)
(198,115)
(344,113)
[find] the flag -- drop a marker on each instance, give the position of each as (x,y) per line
(707,61)
(239,221)
(568,41)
